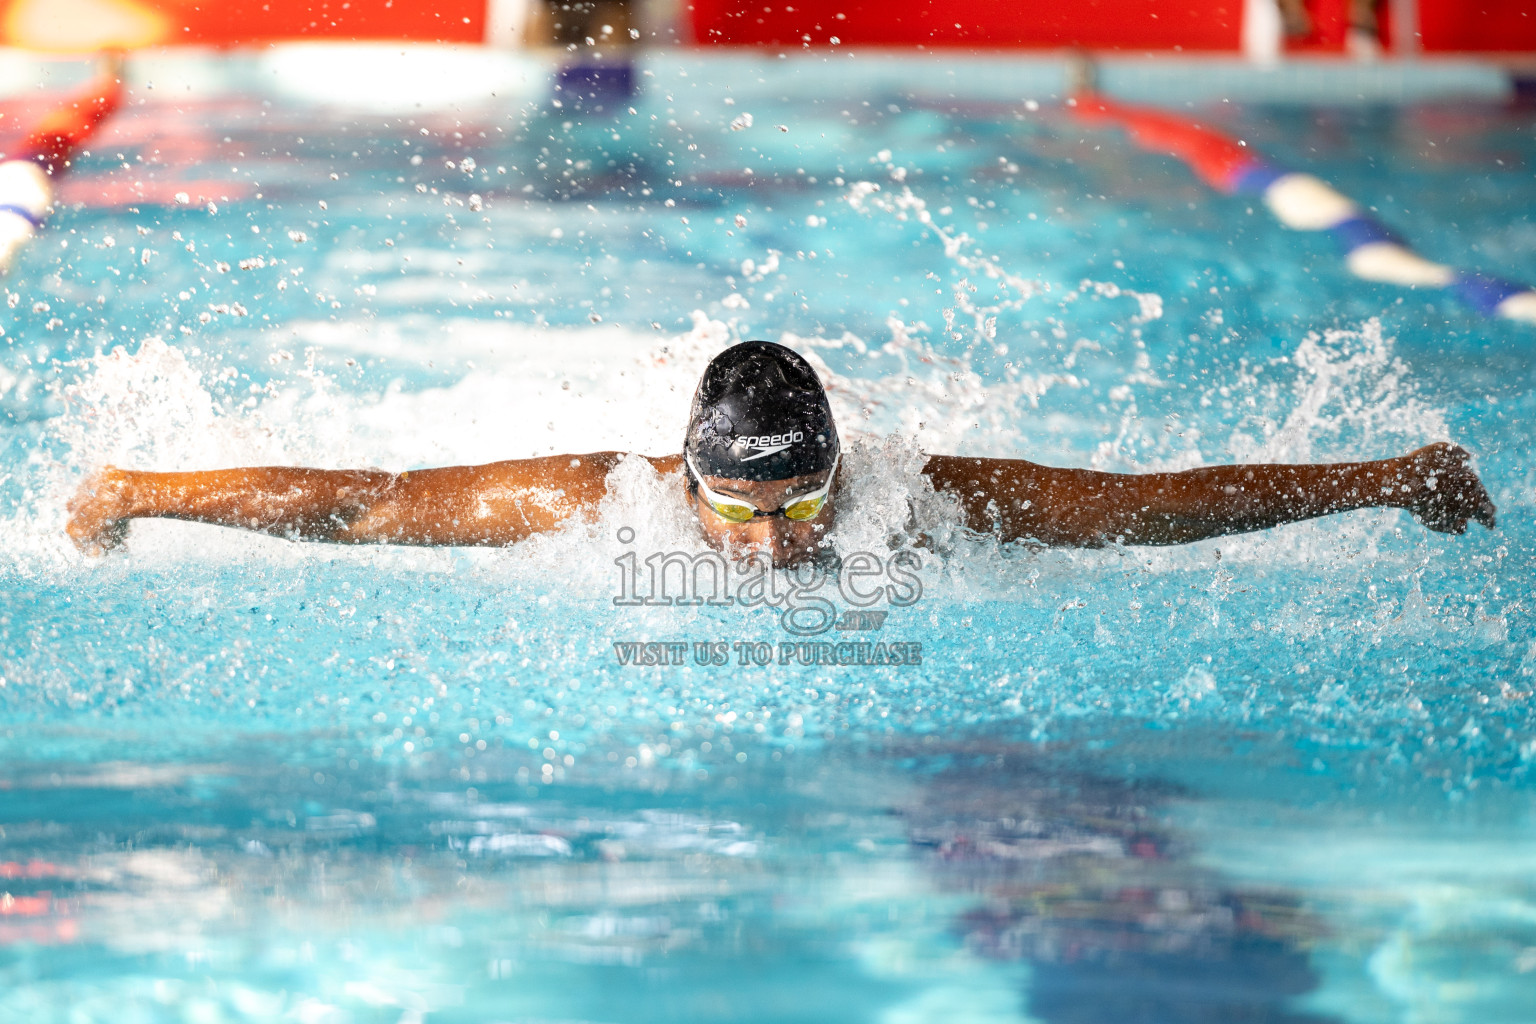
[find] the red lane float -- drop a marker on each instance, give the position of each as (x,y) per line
(1219,160)
(62,130)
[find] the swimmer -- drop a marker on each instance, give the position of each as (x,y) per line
(760,467)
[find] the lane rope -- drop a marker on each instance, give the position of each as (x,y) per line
(26,185)
(1372,250)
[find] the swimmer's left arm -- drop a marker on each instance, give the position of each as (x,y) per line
(1020,500)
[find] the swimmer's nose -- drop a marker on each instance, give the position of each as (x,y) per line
(778,539)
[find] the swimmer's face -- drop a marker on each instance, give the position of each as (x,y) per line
(785,541)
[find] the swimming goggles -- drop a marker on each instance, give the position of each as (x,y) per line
(739,510)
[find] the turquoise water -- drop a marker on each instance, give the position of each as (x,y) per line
(1274,778)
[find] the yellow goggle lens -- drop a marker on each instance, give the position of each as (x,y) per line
(735,513)
(802,510)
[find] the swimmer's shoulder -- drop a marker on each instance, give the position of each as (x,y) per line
(663,464)
(970,469)
(593,466)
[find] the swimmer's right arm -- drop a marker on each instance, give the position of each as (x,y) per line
(494,504)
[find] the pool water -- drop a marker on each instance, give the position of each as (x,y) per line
(1279,777)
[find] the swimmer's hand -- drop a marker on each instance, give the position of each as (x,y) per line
(99,512)
(1437,484)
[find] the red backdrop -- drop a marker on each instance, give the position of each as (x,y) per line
(1489,25)
(1444,25)
(1189,25)
(1095,24)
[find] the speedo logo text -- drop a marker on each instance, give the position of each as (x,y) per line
(769,444)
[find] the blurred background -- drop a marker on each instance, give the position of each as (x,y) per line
(1258,29)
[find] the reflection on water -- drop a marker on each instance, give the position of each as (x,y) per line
(1074,875)
(842,885)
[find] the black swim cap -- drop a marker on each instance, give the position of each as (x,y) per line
(760,413)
